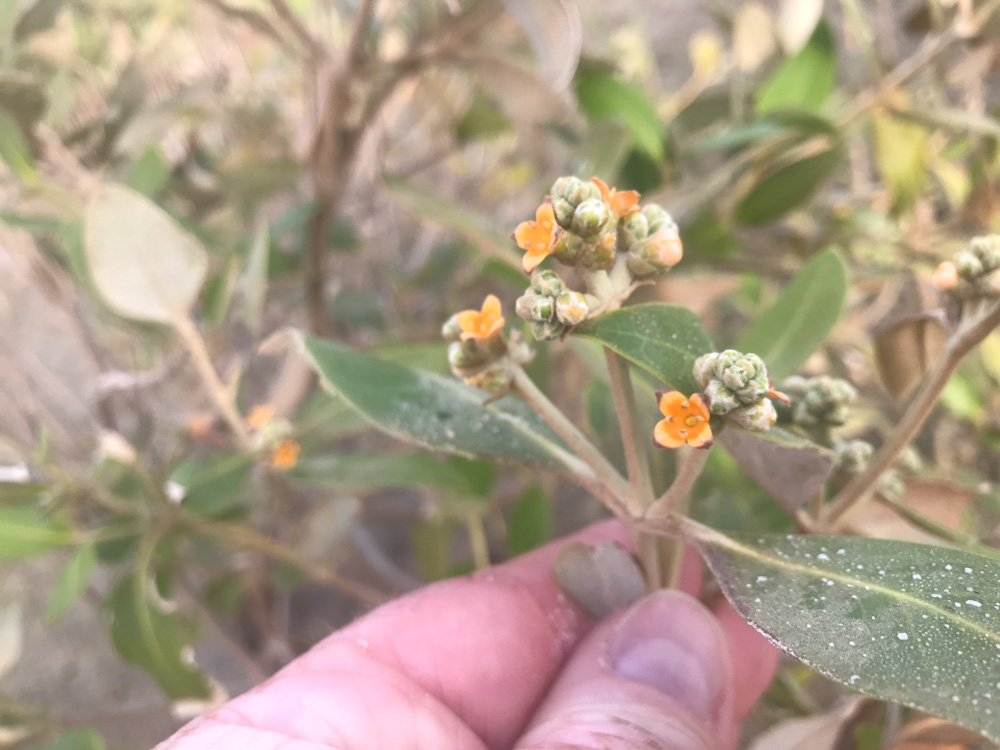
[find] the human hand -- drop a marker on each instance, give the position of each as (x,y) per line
(501,659)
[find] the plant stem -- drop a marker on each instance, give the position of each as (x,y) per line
(692,461)
(965,338)
(217,390)
(248,539)
(945,533)
(614,490)
(477,541)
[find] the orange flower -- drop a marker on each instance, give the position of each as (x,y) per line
(945,276)
(260,416)
(537,238)
(685,421)
(285,455)
(481,324)
(620,204)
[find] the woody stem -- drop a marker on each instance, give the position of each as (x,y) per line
(615,488)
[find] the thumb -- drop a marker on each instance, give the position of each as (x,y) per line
(658,675)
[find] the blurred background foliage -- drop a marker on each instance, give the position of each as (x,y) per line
(354,168)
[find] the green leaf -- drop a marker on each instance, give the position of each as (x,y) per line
(787,188)
(901,148)
(213,485)
(77,739)
(798,322)
(530,523)
(601,95)
(365,471)
(154,639)
(433,411)
(26,531)
(448,215)
(153,280)
(663,339)
(150,173)
(804,81)
(909,623)
(72,581)
(14,148)
(789,468)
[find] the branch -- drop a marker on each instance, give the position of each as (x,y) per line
(919,409)
(288,17)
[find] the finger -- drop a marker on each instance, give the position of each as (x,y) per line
(755,660)
(659,675)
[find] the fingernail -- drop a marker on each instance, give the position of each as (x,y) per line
(671,642)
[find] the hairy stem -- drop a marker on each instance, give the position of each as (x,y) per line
(217,390)
(692,461)
(613,487)
(478,541)
(923,402)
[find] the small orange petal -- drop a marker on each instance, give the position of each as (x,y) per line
(523,233)
(700,407)
(702,438)
(670,402)
(491,307)
(494,328)
(945,276)
(285,455)
(468,321)
(623,203)
(532,259)
(603,187)
(260,416)
(663,435)
(545,212)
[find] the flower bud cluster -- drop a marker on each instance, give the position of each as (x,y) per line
(588,236)
(736,386)
(550,306)
(484,361)
(820,402)
(970,273)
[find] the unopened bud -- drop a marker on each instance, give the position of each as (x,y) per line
(656,217)
(535,307)
(853,456)
(599,255)
(547,283)
(567,194)
(569,248)
(590,218)
(572,308)
(721,400)
(987,249)
(968,265)
(451,330)
(656,253)
(758,417)
(465,355)
(547,331)
(631,229)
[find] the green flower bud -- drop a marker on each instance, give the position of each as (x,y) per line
(658,252)
(721,400)
(969,266)
(547,331)
(466,356)
(599,255)
(758,417)
(632,228)
(590,218)
(451,331)
(822,401)
(567,194)
(569,248)
(534,307)
(572,308)
(704,369)
(495,379)
(987,250)
(744,374)
(547,283)
(657,218)
(853,456)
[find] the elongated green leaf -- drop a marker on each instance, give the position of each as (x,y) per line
(364,471)
(800,319)
(789,468)
(72,581)
(602,95)
(663,339)
(436,412)
(215,484)
(14,149)
(448,215)
(154,639)
(153,280)
(26,531)
(804,81)
(911,623)
(787,188)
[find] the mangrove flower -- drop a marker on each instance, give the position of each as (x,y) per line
(482,324)
(537,238)
(685,420)
(619,203)
(285,455)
